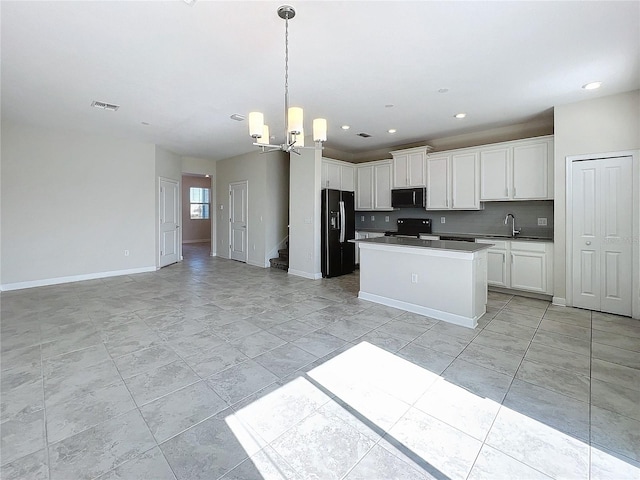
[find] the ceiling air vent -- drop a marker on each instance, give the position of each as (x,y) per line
(363,135)
(105,106)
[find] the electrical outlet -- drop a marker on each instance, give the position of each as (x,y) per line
(414,278)
(386,218)
(126,253)
(443,219)
(373,218)
(542,222)
(362,218)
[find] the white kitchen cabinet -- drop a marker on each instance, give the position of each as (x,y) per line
(520,265)
(465,176)
(382,186)
(364,187)
(453,181)
(337,175)
(497,262)
(529,266)
(373,186)
(409,167)
(495,171)
(438,182)
(519,170)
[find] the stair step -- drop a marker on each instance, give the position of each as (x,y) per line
(283,253)
(281,263)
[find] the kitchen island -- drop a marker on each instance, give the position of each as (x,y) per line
(445,280)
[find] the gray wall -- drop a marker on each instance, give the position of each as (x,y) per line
(72,204)
(602,125)
(304,208)
(267,202)
(487,221)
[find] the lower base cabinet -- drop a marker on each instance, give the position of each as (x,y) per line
(520,265)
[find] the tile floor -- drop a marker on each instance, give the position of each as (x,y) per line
(214,369)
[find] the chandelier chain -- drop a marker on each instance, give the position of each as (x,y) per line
(286,75)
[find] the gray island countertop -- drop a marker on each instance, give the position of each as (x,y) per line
(454,246)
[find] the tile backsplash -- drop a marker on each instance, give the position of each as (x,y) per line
(490,220)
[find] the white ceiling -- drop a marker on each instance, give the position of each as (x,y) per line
(185,69)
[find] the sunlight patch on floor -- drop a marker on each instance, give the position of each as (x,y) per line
(323,425)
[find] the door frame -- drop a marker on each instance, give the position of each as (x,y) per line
(635,235)
(246,238)
(178,219)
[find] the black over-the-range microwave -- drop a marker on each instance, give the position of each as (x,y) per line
(408,197)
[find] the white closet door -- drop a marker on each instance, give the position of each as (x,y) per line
(602,223)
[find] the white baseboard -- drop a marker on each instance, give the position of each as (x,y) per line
(202,240)
(74,278)
(256,264)
(559,301)
(310,276)
(419,309)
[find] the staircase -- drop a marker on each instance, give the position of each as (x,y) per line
(282,260)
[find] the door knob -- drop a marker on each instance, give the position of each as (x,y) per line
(588,243)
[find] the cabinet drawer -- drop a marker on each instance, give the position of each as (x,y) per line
(501,244)
(523,246)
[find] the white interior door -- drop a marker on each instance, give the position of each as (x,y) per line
(169,218)
(238,221)
(602,231)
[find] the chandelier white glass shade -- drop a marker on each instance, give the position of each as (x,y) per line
(294,116)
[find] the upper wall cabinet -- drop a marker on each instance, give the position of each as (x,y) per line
(373,185)
(338,175)
(519,170)
(409,167)
(453,180)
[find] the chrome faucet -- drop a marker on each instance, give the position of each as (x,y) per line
(514,230)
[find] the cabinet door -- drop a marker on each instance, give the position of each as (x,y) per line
(438,182)
(400,171)
(530,171)
(497,262)
(347,174)
(464,181)
(416,175)
(497,267)
(382,191)
(333,176)
(494,174)
(528,271)
(364,190)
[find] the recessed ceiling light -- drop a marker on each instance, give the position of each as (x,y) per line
(443,90)
(392,130)
(345,127)
(237,117)
(592,85)
(460,115)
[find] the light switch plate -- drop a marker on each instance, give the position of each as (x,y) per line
(542,222)
(386,218)
(442,219)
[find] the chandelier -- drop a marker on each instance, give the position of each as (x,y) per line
(293,121)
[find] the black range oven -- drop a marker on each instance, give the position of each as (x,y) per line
(411,227)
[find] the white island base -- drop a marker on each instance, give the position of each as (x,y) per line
(426,277)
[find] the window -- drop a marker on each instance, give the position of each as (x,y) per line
(199,199)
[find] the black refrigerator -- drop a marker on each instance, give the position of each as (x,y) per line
(338,227)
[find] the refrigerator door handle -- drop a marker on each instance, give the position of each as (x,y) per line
(343,223)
